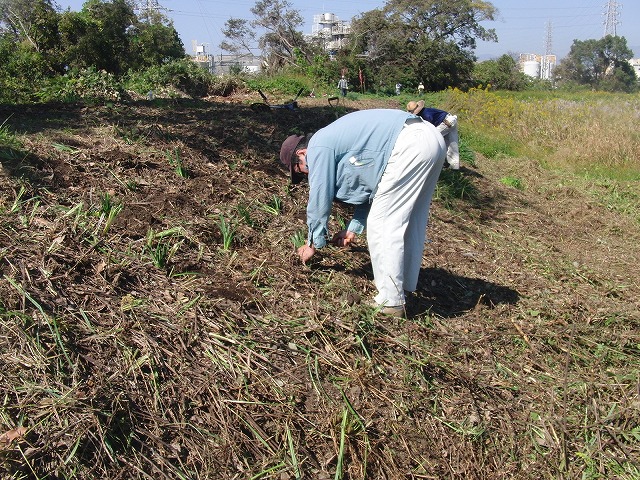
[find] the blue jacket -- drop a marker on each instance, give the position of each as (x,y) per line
(433,115)
(346,160)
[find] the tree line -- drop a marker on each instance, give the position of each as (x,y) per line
(409,42)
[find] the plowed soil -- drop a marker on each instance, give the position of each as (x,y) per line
(156,322)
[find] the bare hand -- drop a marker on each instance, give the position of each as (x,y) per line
(343,238)
(305,252)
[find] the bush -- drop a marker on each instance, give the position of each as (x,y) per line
(183,75)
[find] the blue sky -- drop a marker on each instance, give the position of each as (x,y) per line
(522,26)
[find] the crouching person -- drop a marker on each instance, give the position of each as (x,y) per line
(385,163)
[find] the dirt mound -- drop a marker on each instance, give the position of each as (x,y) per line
(151,327)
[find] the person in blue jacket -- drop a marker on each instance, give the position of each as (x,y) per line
(385,163)
(447,125)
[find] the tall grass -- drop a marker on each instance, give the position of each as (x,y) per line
(594,134)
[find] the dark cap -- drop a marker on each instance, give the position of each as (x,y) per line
(287,152)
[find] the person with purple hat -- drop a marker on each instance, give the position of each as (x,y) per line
(385,163)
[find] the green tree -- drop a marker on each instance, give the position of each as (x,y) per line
(34,25)
(502,73)
(109,36)
(600,64)
(240,36)
(155,43)
(430,41)
(276,26)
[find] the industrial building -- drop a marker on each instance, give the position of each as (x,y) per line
(327,28)
(332,31)
(223,64)
(537,66)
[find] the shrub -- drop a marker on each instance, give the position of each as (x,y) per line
(183,75)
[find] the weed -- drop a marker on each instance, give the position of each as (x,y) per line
(159,249)
(65,148)
(453,185)
(176,162)
(244,212)
(18,201)
(512,182)
(274,207)
(227,230)
(298,239)
(467,156)
(10,146)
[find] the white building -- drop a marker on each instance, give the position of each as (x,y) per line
(331,30)
(635,63)
(537,66)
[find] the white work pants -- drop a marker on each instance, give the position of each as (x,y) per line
(451,139)
(397,221)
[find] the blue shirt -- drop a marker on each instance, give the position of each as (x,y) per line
(346,160)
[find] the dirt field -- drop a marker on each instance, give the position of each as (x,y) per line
(157,324)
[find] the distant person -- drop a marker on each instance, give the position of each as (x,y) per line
(343,86)
(398,87)
(385,163)
(446,124)
(420,88)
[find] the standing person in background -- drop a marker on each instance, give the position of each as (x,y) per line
(398,87)
(385,163)
(446,124)
(420,89)
(343,86)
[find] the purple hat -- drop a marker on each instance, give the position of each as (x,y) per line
(287,152)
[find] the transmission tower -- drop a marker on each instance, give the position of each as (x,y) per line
(545,71)
(148,8)
(611,17)
(548,38)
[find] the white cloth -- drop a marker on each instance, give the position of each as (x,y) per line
(397,221)
(451,139)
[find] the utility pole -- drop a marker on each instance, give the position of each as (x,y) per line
(611,18)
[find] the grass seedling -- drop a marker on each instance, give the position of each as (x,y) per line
(130,185)
(176,162)
(18,202)
(228,233)
(274,207)
(298,239)
(159,251)
(160,255)
(109,210)
(243,210)
(65,148)
(292,453)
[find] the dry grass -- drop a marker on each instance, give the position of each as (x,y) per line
(134,345)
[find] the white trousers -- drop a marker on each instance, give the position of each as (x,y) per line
(397,221)
(451,139)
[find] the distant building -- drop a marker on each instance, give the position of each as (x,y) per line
(224,64)
(333,32)
(537,66)
(327,28)
(635,63)
(248,63)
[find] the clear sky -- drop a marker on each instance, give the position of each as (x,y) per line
(523,26)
